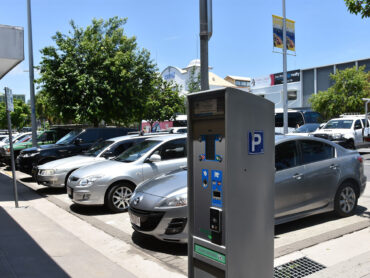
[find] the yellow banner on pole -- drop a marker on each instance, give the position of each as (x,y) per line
(277,24)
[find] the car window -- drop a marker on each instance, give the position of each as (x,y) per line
(172,150)
(294,119)
(339,124)
(286,155)
(364,123)
(50,136)
(42,137)
(313,151)
(89,136)
(120,147)
(358,124)
(137,151)
(97,148)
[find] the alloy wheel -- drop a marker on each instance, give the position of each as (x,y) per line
(121,197)
(347,199)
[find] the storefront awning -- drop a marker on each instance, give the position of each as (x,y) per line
(11,48)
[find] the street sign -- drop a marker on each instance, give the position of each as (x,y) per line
(9,100)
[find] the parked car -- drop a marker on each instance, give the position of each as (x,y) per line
(296,117)
(73,143)
(347,132)
(55,173)
(312,176)
(43,138)
(306,129)
(112,182)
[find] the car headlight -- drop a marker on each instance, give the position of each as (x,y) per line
(89,180)
(176,199)
(337,136)
(47,172)
(28,154)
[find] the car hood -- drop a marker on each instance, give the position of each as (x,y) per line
(332,131)
(103,168)
(164,185)
(76,161)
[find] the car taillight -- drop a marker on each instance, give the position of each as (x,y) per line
(359,158)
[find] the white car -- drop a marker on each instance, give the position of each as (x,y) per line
(347,131)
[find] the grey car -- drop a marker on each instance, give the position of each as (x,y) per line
(312,176)
(56,173)
(112,182)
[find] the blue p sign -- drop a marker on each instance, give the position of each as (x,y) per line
(255,142)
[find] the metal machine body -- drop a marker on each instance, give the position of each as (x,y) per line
(230,184)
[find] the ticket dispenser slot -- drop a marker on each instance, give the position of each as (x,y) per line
(215,225)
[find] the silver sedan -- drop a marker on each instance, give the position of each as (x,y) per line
(112,182)
(312,176)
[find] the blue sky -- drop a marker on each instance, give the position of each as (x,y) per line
(242,32)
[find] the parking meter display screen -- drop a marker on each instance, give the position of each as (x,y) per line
(209,107)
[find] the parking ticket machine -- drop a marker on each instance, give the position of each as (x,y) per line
(230,184)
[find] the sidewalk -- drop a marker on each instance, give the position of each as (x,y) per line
(39,240)
(32,245)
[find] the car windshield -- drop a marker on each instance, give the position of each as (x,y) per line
(97,148)
(339,124)
(67,139)
(134,153)
(307,128)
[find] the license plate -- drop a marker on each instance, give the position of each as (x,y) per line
(70,192)
(135,219)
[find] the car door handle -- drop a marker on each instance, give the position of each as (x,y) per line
(333,166)
(298,176)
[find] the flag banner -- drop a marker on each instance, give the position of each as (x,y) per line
(277,24)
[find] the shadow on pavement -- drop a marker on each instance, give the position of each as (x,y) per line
(90,210)
(51,191)
(156,245)
(314,220)
(7,191)
(20,255)
(28,179)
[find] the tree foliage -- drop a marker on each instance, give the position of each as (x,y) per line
(95,74)
(193,82)
(20,117)
(164,102)
(359,7)
(345,96)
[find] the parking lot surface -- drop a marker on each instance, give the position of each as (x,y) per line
(141,255)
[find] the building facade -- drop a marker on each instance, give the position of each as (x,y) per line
(302,83)
(182,76)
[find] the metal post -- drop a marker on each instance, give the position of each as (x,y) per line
(11,150)
(32,85)
(204,37)
(285,85)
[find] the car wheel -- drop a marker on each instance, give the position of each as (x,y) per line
(351,145)
(119,196)
(345,201)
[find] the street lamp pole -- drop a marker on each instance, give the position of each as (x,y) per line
(31,74)
(285,85)
(205,19)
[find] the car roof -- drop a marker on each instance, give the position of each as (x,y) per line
(132,136)
(168,137)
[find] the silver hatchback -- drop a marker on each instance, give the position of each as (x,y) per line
(312,176)
(112,182)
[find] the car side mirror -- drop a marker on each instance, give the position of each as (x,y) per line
(155,158)
(78,141)
(108,155)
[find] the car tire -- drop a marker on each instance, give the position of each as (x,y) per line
(351,145)
(345,202)
(119,196)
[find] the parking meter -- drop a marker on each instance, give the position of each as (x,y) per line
(231,171)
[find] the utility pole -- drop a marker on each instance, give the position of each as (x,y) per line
(31,73)
(285,86)
(205,16)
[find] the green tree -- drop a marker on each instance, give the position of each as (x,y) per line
(345,96)
(96,74)
(20,117)
(193,82)
(359,7)
(164,102)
